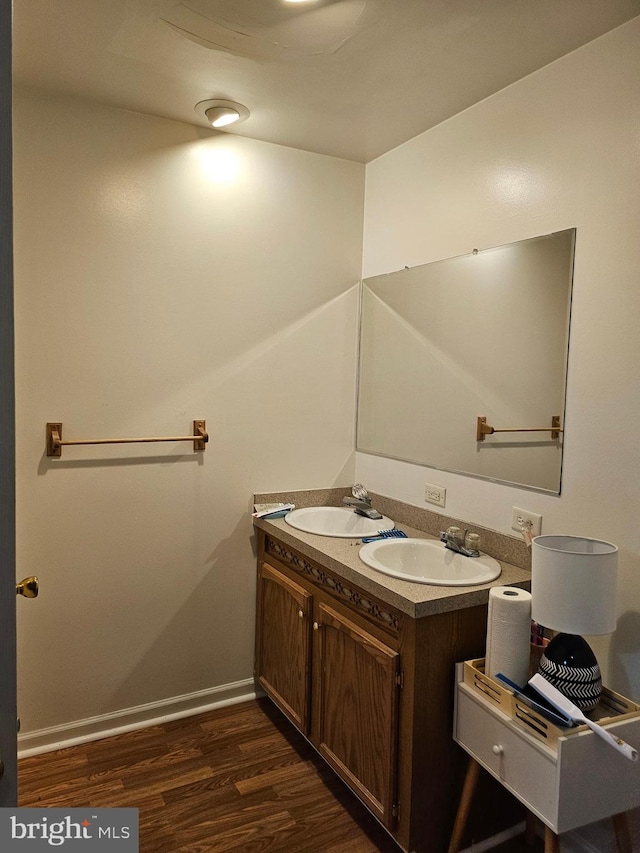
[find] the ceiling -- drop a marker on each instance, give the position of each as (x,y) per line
(348,78)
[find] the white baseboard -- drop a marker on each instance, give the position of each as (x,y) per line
(130,719)
(495,840)
(595,838)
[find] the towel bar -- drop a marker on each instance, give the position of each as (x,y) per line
(483,429)
(55,442)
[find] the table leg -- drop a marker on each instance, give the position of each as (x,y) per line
(621,829)
(551,843)
(530,829)
(464,807)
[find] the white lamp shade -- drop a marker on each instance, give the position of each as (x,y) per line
(574,584)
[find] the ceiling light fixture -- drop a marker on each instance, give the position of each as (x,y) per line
(219,113)
(221,116)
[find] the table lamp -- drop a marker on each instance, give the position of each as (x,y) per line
(573,590)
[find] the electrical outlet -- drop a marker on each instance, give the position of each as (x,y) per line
(435,494)
(522,517)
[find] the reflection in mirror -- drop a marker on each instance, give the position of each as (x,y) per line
(481,335)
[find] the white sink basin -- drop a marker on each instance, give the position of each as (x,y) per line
(341,522)
(428,561)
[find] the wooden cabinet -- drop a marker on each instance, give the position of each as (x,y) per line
(283,663)
(356,686)
(370,687)
(354,679)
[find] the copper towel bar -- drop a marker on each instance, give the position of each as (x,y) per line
(483,429)
(55,442)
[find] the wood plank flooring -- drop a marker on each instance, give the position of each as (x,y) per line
(236,779)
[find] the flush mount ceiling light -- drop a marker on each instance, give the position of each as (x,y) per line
(219,113)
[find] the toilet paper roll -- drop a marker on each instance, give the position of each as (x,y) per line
(508,633)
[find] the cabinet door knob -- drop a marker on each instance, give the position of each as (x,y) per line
(301,614)
(315,626)
(497,749)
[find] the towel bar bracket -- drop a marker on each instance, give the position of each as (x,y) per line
(55,441)
(54,437)
(200,430)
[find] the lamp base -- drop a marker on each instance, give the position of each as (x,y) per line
(570,665)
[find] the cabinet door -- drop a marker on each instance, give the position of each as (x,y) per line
(282,643)
(356,680)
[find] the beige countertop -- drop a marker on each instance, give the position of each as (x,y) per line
(416,599)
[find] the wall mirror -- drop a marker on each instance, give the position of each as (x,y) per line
(480,336)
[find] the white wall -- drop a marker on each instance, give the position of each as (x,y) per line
(165,273)
(559,149)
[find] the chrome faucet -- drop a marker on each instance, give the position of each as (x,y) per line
(455,539)
(361,502)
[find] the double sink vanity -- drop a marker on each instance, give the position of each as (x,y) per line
(415,560)
(362,660)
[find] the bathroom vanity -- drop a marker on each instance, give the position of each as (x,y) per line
(363,665)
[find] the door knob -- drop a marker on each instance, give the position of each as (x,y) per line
(28,587)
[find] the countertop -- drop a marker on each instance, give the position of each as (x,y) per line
(415,599)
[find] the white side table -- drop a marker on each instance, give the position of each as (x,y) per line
(570,782)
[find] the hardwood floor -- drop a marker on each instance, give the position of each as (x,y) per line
(238,779)
(235,779)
